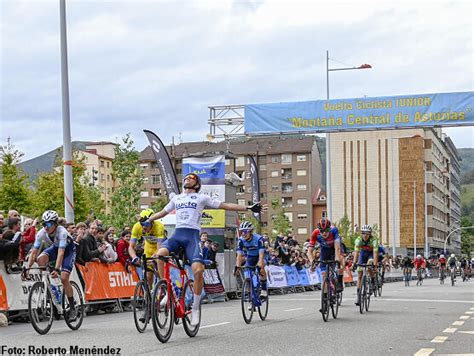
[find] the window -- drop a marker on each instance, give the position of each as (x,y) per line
(301,158)
(108,178)
(145,180)
(101,163)
(241,174)
(286,202)
(144,165)
(144,194)
(240,162)
(275,173)
(286,173)
(302,231)
(301,187)
(179,171)
(275,159)
(241,189)
(263,167)
(275,188)
(227,162)
(301,202)
(302,216)
(155,179)
(287,188)
(144,206)
(263,195)
(156,192)
(289,216)
(108,164)
(286,158)
(301,172)
(324,214)
(241,202)
(102,176)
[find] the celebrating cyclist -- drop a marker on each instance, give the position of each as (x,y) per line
(153,233)
(189,206)
(366,251)
(62,251)
(330,244)
(252,249)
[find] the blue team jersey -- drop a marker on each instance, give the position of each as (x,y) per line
(382,251)
(325,243)
(251,248)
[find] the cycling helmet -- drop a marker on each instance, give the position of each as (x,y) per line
(418,256)
(441,256)
(245,225)
(197,185)
(50,216)
(453,255)
(324,224)
(366,228)
(145,214)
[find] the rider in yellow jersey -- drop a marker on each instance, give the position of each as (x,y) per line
(153,233)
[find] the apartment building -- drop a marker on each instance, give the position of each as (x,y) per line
(397,179)
(289,171)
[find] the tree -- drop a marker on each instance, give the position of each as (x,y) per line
(49,193)
(129,176)
(14,191)
(467,237)
(346,231)
(280,221)
(159,204)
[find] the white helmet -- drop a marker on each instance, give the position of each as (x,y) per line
(418,256)
(441,256)
(50,215)
(366,228)
(453,255)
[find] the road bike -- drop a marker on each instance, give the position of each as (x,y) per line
(442,275)
(330,297)
(366,288)
(251,300)
(419,274)
(142,296)
(47,301)
(172,302)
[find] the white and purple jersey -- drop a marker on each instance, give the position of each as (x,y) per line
(59,238)
(189,207)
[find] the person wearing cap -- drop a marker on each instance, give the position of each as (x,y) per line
(153,234)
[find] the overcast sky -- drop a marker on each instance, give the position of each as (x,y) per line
(159,64)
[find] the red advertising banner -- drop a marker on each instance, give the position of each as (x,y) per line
(107,281)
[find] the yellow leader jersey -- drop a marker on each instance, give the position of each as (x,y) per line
(153,238)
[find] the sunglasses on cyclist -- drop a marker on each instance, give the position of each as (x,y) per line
(145,223)
(49,224)
(245,231)
(326,230)
(192,176)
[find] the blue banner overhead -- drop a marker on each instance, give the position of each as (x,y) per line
(390,112)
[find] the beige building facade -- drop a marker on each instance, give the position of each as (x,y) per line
(396,179)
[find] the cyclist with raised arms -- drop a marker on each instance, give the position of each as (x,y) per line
(189,206)
(252,249)
(366,251)
(62,251)
(330,244)
(153,233)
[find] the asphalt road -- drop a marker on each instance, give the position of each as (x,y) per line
(431,319)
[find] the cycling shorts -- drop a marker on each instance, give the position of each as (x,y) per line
(364,258)
(251,261)
(326,254)
(189,240)
(150,249)
(69,256)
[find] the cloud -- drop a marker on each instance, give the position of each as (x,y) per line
(160,64)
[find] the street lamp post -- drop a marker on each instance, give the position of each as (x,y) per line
(328,153)
(459,228)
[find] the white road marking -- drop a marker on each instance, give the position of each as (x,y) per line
(439,339)
(212,325)
(464,317)
(467,332)
(450,330)
(424,300)
(471,308)
(458,323)
(469,312)
(424,352)
(288,310)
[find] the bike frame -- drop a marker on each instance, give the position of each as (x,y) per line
(249,273)
(178,303)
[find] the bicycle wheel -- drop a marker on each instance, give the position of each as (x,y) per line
(162,312)
(76,322)
(453,276)
(367,295)
(188,296)
(263,308)
(247,301)
(362,295)
(325,299)
(333,300)
(373,286)
(141,306)
(379,287)
(339,298)
(40,308)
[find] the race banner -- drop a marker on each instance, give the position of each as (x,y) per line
(276,277)
(212,282)
(214,191)
(291,276)
(213,218)
(303,276)
(255,183)
(211,170)
(164,164)
(389,112)
(313,277)
(107,281)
